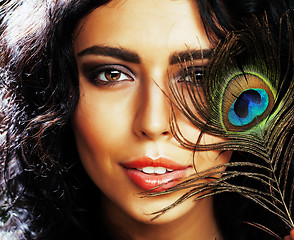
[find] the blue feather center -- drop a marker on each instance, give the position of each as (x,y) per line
(250,104)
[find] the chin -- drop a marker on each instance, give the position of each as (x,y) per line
(141,210)
(172,215)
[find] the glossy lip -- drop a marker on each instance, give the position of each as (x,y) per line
(152,181)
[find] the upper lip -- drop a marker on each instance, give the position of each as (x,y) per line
(145,161)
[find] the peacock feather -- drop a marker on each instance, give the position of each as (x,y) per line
(245,96)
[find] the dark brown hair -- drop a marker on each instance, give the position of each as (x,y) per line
(39,91)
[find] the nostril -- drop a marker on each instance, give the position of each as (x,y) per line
(151,135)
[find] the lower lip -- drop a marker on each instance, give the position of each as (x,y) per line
(151,182)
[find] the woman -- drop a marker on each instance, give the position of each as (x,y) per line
(88,81)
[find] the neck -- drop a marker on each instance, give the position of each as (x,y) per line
(198,224)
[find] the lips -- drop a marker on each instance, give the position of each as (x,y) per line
(149,173)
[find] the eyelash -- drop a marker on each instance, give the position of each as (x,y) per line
(195,75)
(98,75)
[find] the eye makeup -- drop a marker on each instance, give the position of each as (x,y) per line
(107,74)
(192,74)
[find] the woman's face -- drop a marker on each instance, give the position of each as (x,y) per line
(126,52)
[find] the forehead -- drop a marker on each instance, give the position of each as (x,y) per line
(146,25)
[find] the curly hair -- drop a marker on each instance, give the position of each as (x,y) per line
(39,91)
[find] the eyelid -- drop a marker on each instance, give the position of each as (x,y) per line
(188,71)
(92,72)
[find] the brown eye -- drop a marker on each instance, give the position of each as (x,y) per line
(192,75)
(112,75)
(108,74)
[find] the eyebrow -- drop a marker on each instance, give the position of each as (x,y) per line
(190,55)
(130,56)
(116,52)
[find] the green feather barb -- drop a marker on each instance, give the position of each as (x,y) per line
(247,70)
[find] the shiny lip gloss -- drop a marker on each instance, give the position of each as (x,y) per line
(148,173)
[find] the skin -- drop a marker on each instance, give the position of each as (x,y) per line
(291,236)
(128,119)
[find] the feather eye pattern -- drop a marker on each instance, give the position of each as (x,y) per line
(243,93)
(247,97)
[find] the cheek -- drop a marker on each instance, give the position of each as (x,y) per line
(102,119)
(89,130)
(96,137)
(99,125)
(208,159)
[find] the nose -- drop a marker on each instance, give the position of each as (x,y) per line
(153,111)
